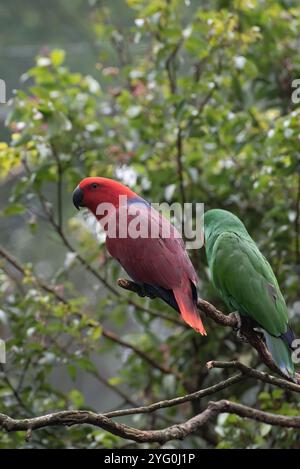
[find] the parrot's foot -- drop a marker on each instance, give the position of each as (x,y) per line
(144,291)
(238,327)
(141,289)
(238,319)
(241,337)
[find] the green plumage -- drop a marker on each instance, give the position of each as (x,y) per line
(246,282)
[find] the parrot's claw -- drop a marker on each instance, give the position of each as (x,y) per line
(238,327)
(241,337)
(144,292)
(238,319)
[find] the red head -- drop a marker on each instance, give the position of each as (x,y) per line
(93,191)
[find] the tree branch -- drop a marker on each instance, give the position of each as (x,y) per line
(178,400)
(179,431)
(251,336)
(174,432)
(171,67)
(247,331)
(260,375)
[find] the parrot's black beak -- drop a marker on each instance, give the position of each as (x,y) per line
(78,198)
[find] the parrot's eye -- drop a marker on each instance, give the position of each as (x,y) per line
(94,185)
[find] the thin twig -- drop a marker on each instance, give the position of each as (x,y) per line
(178,400)
(171,67)
(259,375)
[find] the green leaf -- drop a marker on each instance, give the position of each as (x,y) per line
(72,372)
(14,209)
(57,57)
(76,398)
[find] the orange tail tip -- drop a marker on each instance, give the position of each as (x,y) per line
(189,311)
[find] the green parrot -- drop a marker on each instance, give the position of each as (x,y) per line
(246,282)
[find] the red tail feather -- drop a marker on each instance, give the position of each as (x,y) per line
(189,310)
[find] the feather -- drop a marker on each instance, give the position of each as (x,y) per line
(154,256)
(246,282)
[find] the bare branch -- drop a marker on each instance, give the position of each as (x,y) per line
(178,400)
(260,375)
(170,66)
(174,432)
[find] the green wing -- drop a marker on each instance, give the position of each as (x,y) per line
(246,282)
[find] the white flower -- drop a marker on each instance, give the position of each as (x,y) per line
(240,62)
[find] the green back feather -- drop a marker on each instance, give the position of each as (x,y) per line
(241,274)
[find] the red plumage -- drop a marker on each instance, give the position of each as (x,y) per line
(160,262)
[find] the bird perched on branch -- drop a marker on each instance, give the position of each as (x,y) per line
(246,282)
(145,243)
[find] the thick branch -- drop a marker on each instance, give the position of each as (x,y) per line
(174,432)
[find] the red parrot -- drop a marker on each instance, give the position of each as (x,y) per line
(158,262)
